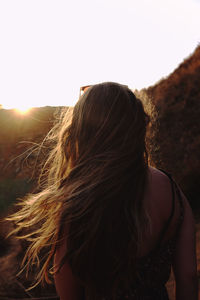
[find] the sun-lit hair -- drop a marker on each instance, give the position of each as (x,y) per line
(94,191)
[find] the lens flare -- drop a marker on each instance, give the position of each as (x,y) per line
(22,110)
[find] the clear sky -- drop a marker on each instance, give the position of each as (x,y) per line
(49,48)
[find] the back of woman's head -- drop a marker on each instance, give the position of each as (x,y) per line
(108,119)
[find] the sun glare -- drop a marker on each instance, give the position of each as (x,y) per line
(23,110)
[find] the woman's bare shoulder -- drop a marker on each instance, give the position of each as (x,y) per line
(159,192)
(157,172)
(158,179)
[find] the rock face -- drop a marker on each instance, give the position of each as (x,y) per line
(177,139)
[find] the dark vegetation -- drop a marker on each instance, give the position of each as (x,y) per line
(174,147)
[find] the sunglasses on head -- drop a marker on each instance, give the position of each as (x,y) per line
(83,89)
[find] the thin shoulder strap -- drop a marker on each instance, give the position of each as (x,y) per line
(175,191)
(181,204)
(165,228)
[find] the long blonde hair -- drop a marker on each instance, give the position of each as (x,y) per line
(95,178)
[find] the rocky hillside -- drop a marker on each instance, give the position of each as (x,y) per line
(20,154)
(176,143)
(20,136)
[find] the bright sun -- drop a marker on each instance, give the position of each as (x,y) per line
(23,110)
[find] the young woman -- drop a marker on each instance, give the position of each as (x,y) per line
(113,225)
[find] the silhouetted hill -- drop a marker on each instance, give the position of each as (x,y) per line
(177,141)
(20,154)
(20,136)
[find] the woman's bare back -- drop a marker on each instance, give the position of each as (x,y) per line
(171,220)
(159,204)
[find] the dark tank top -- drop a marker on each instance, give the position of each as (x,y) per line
(153,270)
